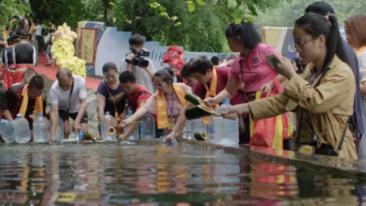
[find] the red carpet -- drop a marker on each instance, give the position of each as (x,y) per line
(50,73)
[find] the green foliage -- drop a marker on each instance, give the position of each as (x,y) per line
(9,8)
(197,25)
(286,14)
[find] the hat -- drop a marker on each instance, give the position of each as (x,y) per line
(321,7)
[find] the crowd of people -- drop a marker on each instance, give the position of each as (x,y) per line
(325,86)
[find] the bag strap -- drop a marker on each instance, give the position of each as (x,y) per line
(343,137)
(141,92)
(71,91)
(354,124)
(242,95)
(242,128)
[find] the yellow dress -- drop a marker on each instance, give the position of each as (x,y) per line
(330,104)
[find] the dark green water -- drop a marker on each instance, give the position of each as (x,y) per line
(152,174)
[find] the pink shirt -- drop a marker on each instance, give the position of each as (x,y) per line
(174,103)
(256,70)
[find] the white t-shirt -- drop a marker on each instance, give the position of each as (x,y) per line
(39,30)
(142,76)
(62,98)
(361,57)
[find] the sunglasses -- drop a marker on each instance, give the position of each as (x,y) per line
(158,85)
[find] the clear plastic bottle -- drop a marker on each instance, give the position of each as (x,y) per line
(109,121)
(81,135)
(59,130)
(40,129)
(135,135)
(188,130)
(22,131)
(7,131)
(226,130)
(148,127)
(211,130)
(199,126)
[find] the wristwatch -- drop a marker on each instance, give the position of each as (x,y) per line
(128,61)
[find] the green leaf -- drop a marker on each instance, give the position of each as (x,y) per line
(173,18)
(200,2)
(164,14)
(114,19)
(238,20)
(250,18)
(252,10)
(166,27)
(111,3)
(178,23)
(191,7)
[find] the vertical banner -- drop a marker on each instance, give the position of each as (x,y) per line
(281,39)
(88,45)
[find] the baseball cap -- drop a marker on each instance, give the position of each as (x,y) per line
(321,7)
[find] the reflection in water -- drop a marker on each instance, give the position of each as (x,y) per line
(152,174)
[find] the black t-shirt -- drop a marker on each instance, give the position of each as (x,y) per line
(117,98)
(24,53)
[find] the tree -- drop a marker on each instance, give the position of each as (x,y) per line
(197,25)
(286,14)
(9,8)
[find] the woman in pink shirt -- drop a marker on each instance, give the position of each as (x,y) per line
(249,67)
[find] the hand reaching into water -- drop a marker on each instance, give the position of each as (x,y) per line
(77,126)
(171,136)
(121,138)
(52,140)
(123,124)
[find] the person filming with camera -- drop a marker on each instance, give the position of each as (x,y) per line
(138,63)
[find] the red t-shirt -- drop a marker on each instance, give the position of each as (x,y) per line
(139,99)
(223,74)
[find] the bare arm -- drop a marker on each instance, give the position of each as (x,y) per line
(149,71)
(7,115)
(54,119)
(101,105)
(130,131)
(228,92)
(129,67)
(82,110)
(181,120)
(138,115)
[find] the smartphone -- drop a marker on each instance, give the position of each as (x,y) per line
(271,59)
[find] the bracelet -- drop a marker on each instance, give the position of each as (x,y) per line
(128,61)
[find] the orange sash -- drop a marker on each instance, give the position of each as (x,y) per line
(161,110)
(23,108)
(211,92)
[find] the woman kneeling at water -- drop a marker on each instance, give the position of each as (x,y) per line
(166,104)
(322,97)
(110,96)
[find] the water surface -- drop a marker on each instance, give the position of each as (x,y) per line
(152,174)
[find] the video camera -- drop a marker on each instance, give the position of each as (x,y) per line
(139,58)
